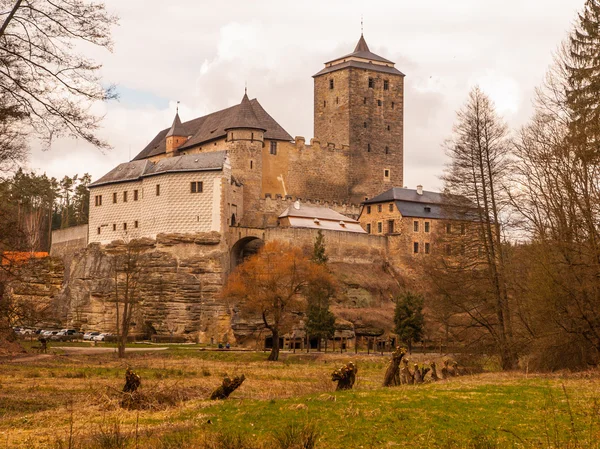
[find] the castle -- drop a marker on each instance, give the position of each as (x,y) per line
(215,172)
(205,193)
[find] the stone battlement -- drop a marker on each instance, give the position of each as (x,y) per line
(300,144)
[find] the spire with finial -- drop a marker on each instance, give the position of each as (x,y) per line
(176,136)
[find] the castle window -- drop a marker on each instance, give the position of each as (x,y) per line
(337,100)
(136,224)
(386,172)
(386,85)
(98,231)
(157,189)
(365,100)
(364,124)
(331,84)
(427,226)
(371,83)
(387,150)
(427,248)
(416,247)
(98,200)
(114,226)
(368,148)
(124,226)
(273,148)
(125,196)
(378,102)
(379,208)
(324,103)
(114,197)
(252,137)
(392,105)
(368,209)
(391,207)
(368,228)
(388,127)
(135,195)
(379,227)
(196,187)
(415,226)
(449,228)
(251,165)
(462,229)
(390,226)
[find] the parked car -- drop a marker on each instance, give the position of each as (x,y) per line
(48,333)
(90,335)
(66,335)
(101,337)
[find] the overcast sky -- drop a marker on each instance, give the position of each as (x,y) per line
(202,53)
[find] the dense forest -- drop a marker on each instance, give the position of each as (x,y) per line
(35,205)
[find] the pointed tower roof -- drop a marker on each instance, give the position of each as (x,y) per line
(362,58)
(361,45)
(245,117)
(176,128)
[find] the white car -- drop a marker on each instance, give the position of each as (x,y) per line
(90,335)
(101,337)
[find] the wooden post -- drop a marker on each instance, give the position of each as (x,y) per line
(368,345)
(355,344)
(333,343)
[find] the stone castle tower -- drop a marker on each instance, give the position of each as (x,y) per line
(359,102)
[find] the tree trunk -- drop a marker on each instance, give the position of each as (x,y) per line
(392,374)
(274,355)
(227,387)
(345,376)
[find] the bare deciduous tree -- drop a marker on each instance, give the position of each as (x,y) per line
(42,77)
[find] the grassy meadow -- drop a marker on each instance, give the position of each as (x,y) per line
(73,401)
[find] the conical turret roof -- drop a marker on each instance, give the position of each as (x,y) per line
(245,117)
(176,128)
(361,45)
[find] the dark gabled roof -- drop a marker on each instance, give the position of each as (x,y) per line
(362,51)
(128,171)
(399,193)
(212,126)
(245,117)
(136,170)
(176,128)
(426,205)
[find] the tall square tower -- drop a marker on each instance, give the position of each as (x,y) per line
(359,102)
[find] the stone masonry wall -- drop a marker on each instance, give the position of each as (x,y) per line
(382,113)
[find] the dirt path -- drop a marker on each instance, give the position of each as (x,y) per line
(75,351)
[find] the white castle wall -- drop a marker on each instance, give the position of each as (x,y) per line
(175,210)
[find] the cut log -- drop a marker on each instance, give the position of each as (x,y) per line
(227,387)
(132,381)
(392,374)
(345,376)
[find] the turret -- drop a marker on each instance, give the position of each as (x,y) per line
(176,135)
(244,125)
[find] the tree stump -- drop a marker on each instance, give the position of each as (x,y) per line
(445,372)
(345,376)
(227,387)
(132,381)
(434,375)
(406,376)
(392,374)
(417,374)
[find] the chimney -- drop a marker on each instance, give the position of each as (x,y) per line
(419,189)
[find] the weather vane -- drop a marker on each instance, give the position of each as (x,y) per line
(178,106)
(361,24)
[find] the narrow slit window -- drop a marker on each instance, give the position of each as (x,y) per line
(368,148)
(135,195)
(157,189)
(386,172)
(378,102)
(331,84)
(136,224)
(125,196)
(386,85)
(114,226)
(114,197)
(124,226)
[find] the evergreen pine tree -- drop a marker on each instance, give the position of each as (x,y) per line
(408,318)
(583,69)
(319,319)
